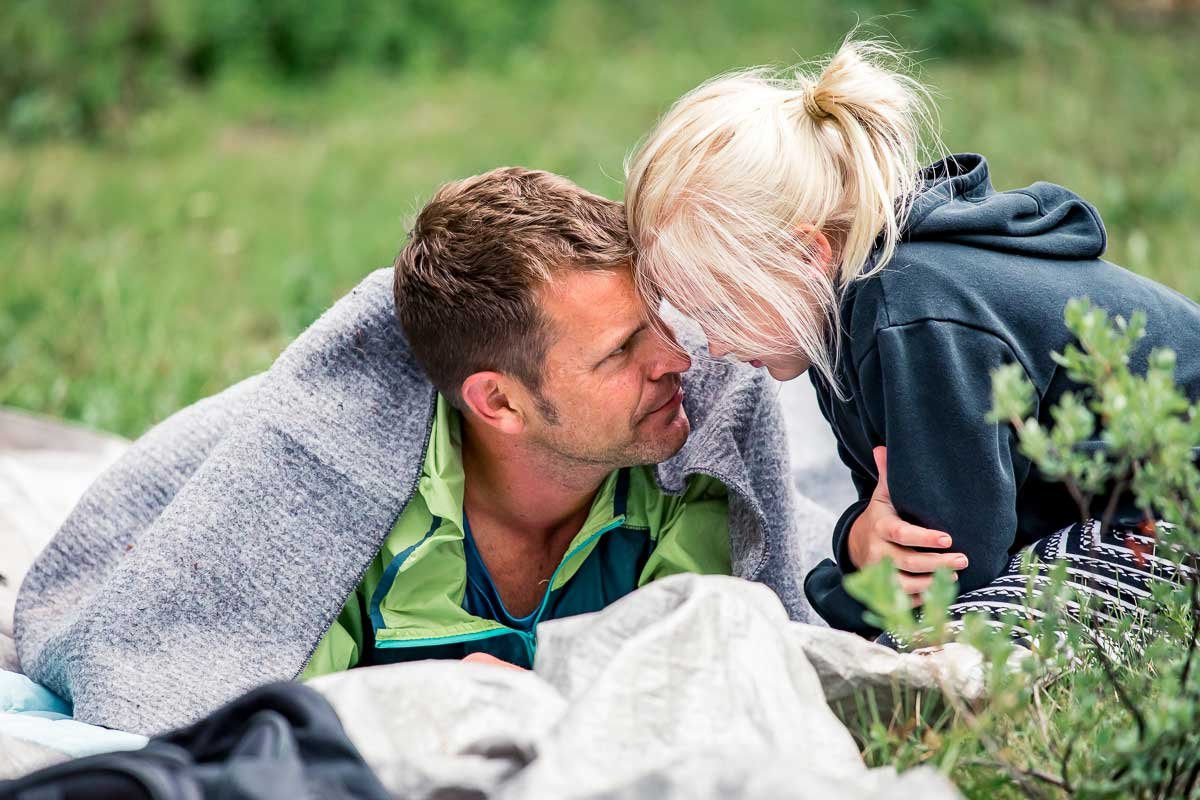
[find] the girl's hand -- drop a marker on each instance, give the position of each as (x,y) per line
(879,533)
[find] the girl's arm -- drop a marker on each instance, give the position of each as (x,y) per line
(949,469)
(880,533)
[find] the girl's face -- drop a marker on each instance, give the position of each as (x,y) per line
(816,254)
(782,367)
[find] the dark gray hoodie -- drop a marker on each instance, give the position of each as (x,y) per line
(980,279)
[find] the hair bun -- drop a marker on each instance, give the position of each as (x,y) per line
(818,101)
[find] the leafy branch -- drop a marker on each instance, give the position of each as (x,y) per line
(1122,688)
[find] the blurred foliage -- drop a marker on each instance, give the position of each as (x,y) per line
(78,66)
(182,191)
(81,67)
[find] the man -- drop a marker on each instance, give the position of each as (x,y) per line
(515,292)
(431,488)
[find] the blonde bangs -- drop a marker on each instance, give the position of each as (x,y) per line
(739,281)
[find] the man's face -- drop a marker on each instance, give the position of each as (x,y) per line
(614,383)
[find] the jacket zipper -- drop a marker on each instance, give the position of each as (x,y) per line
(529,638)
(393,644)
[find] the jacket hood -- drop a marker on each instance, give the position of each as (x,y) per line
(958,204)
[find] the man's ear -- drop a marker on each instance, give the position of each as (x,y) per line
(817,247)
(485,395)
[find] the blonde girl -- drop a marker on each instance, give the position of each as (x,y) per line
(789,215)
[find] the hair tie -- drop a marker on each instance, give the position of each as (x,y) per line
(817,102)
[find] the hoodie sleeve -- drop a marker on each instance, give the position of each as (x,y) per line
(864,482)
(865,485)
(948,467)
(823,585)
(926,388)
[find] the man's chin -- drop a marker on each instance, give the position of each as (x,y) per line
(668,437)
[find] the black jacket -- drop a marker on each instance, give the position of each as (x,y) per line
(282,741)
(980,279)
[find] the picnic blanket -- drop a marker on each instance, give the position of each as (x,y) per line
(694,686)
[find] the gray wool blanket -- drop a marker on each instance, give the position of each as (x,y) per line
(216,552)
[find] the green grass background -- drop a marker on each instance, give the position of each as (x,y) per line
(165,261)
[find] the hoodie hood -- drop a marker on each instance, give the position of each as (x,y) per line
(958,204)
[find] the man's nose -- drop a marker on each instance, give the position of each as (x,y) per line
(670,358)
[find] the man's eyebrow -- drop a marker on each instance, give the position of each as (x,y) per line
(624,340)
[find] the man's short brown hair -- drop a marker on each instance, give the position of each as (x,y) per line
(466,281)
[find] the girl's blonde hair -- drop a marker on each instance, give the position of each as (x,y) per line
(719,194)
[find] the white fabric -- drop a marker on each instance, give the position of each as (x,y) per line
(691,687)
(45,465)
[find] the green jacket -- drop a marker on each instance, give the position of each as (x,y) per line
(427,594)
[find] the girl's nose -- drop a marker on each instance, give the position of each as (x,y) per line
(717,349)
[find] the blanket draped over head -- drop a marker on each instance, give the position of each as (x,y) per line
(214,555)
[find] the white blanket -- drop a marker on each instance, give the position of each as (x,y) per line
(45,465)
(692,687)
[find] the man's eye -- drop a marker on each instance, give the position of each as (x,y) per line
(625,346)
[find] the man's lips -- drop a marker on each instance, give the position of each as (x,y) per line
(671,403)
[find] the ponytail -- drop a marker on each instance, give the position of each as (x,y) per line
(879,113)
(720,193)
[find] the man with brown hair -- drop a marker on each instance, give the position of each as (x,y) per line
(536,500)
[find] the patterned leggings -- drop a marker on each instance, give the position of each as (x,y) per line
(1110,573)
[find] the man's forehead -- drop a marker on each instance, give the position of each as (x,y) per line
(588,308)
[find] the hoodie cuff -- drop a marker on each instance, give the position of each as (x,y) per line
(841,536)
(825,592)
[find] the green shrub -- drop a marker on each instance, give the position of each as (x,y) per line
(75,67)
(1099,708)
